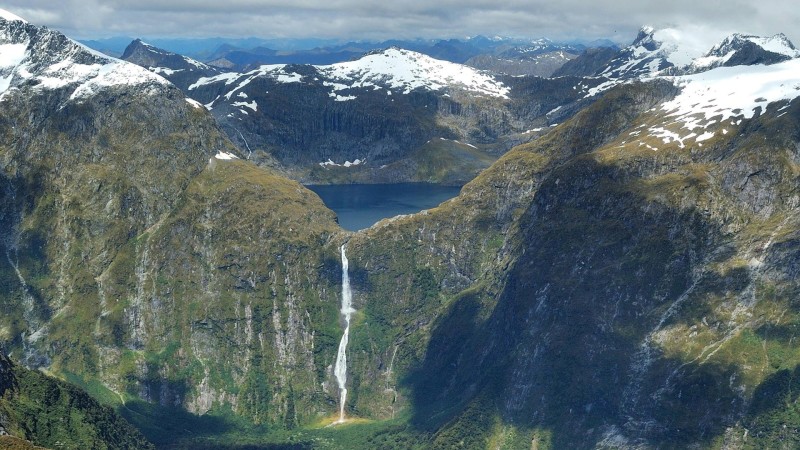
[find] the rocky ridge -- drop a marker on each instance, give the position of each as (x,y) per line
(182,71)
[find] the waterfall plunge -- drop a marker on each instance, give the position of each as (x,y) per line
(340,369)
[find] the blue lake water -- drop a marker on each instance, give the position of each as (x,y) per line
(360,206)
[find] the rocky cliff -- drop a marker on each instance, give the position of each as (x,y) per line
(120,230)
(612,287)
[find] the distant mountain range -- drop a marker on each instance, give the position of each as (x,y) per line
(385,107)
(509,55)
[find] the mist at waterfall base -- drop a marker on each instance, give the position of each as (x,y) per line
(360,206)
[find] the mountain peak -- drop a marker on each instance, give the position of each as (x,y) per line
(178,69)
(681,51)
(405,69)
(40,58)
(778,44)
(11,17)
(645,35)
(747,50)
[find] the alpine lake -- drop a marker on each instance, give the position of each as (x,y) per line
(360,206)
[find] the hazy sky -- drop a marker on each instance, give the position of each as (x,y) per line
(380,19)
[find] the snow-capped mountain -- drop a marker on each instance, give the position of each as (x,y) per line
(393,70)
(744,50)
(716,101)
(653,51)
(40,59)
(378,109)
(179,69)
(671,52)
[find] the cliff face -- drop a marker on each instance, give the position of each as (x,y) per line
(638,293)
(123,242)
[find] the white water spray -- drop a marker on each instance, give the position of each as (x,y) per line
(340,369)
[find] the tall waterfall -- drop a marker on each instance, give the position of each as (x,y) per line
(340,369)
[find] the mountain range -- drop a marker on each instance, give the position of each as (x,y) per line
(626,278)
(514,56)
(391,110)
(347,116)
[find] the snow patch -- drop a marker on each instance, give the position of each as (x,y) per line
(732,93)
(225,155)
(95,71)
(602,87)
(165,70)
(705,136)
(228,78)
(194,103)
(341,98)
(330,162)
(680,47)
(11,56)
(457,142)
(666,136)
(775,44)
(252,105)
(113,74)
(289,77)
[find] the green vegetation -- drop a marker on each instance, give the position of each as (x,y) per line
(55,414)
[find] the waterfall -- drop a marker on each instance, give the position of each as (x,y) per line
(340,369)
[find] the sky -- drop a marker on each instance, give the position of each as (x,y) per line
(559,20)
